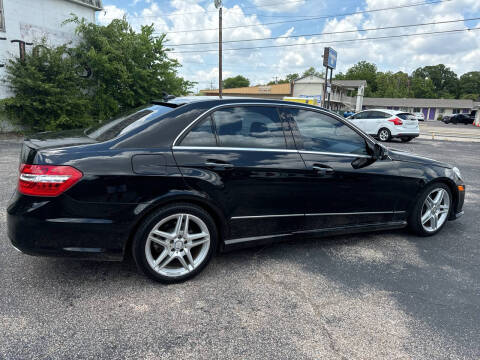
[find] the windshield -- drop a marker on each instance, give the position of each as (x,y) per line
(126,122)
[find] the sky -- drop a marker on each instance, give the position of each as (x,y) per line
(307,26)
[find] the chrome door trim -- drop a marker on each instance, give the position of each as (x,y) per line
(218,148)
(254,238)
(316,214)
(265,216)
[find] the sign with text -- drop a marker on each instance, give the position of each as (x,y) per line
(329,58)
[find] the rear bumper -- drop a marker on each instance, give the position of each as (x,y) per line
(404,134)
(53,227)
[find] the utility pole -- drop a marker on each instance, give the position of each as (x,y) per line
(218,5)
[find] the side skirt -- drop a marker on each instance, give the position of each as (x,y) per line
(232,244)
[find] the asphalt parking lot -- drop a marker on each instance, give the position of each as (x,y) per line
(381,295)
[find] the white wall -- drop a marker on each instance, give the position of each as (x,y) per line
(31,20)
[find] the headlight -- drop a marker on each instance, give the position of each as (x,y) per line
(457,172)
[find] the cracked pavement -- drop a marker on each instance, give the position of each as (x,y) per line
(377,295)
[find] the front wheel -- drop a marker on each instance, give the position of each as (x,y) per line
(384,134)
(431,210)
(406,139)
(175,243)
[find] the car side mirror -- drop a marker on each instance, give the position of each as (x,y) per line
(379,152)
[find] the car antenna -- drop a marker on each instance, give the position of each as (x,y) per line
(167,97)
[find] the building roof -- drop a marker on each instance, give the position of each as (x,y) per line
(411,102)
(94,4)
(350,83)
(275,89)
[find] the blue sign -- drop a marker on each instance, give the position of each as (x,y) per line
(332,58)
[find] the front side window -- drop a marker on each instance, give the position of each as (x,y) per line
(321,132)
(249,127)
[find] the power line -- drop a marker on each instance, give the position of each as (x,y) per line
(313,18)
(214,11)
(333,32)
(327,42)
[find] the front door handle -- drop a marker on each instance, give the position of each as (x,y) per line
(323,170)
(218,164)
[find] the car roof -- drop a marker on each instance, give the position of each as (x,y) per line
(215,101)
(389,111)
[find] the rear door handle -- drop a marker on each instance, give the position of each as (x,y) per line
(218,164)
(323,170)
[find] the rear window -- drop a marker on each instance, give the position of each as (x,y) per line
(406,116)
(126,122)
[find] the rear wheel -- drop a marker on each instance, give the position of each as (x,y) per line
(431,210)
(175,243)
(406,138)
(384,134)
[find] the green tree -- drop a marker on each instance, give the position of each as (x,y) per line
(445,81)
(470,85)
(312,72)
(288,79)
(392,85)
(422,87)
(127,69)
(236,82)
(364,70)
(49,94)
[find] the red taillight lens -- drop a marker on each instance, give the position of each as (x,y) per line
(46,180)
(396,121)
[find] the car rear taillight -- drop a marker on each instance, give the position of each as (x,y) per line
(396,121)
(46,180)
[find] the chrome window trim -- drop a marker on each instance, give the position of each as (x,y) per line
(317,214)
(218,148)
(293,105)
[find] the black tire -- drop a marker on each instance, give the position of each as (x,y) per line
(142,234)
(414,218)
(406,138)
(384,134)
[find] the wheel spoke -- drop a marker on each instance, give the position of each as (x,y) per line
(183,262)
(178,225)
(189,257)
(165,235)
(185,227)
(159,241)
(434,222)
(426,216)
(196,243)
(429,202)
(438,199)
(166,262)
(160,258)
(193,237)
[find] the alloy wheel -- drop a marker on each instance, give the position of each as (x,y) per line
(435,209)
(177,245)
(383,135)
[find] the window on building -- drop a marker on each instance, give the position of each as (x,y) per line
(2,17)
(441,110)
(417,110)
(456,111)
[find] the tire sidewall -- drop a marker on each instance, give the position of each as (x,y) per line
(138,246)
(415,221)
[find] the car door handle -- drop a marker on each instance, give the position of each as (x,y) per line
(218,164)
(323,170)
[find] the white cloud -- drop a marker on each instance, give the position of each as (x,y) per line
(109,13)
(277,6)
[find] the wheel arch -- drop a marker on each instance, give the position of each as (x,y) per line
(444,180)
(204,203)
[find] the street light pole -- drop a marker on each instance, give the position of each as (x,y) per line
(218,5)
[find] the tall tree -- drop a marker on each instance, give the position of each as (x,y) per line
(312,72)
(444,80)
(236,82)
(288,79)
(364,70)
(470,85)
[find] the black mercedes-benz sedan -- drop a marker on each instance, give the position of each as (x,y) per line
(175,181)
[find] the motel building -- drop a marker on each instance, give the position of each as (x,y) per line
(313,87)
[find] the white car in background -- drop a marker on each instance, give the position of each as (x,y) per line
(387,124)
(419,116)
